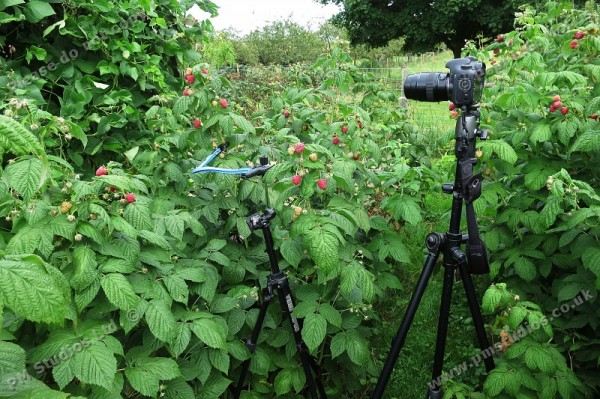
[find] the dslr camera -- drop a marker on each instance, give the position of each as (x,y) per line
(463,85)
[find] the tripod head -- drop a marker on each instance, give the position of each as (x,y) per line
(467,185)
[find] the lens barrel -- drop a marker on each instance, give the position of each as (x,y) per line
(427,86)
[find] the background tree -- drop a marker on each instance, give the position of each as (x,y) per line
(424,23)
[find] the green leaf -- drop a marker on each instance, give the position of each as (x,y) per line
(155,239)
(146,374)
(12,357)
(292,251)
(357,348)
(210,332)
(119,291)
(314,330)
(591,260)
(338,344)
(541,132)
(242,123)
(160,320)
(283,382)
(491,299)
(516,316)
(323,249)
(25,177)
(332,315)
(175,226)
(85,268)
(214,387)
(138,215)
(501,148)
(35,11)
(95,364)
(525,268)
(30,289)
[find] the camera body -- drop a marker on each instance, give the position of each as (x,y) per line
(463,85)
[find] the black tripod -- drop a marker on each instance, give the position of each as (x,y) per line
(277,281)
(278,285)
(467,188)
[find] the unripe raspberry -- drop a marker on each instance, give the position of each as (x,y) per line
(291,150)
(71,218)
(313,157)
(78,237)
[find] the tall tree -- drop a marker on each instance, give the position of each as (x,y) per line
(424,23)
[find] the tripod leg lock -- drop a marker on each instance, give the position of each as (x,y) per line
(431,394)
(251,346)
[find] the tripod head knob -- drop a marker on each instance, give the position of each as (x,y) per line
(482,134)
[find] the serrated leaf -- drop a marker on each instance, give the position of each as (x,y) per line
(283,382)
(516,316)
(525,268)
(119,291)
(25,177)
(175,226)
(242,123)
(146,374)
(323,249)
(541,132)
(357,348)
(155,239)
(138,216)
(95,364)
(338,344)
(12,357)
(85,268)
(209,332)
(292,251)
(28,288)
(591,260)
(160,320)
(332,315)
(314,330)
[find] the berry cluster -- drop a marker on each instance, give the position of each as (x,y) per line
(558,105)
(576,37)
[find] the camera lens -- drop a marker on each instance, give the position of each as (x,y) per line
(428,86)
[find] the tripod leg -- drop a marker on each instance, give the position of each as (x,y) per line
(442,332)
(434,243)
(287,306)
(251,343)
(484,344)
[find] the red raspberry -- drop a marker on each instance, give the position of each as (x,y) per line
(187,92)
(574,44)
(204,71)
(101,171)
(344,129)
(296,180)
(299,148)
(130,198)
(223,103)
(451,107)
(336,140)
(197,123)
(564,110)
(190,78)
(579,35)
(322,183)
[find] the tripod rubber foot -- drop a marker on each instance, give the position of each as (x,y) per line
(431,394)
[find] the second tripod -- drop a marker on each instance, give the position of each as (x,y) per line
(278,285)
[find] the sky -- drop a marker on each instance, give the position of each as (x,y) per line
(245,16)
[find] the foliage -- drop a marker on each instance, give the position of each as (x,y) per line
(541,199)
(424,24)
(121,275)
(282,43)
